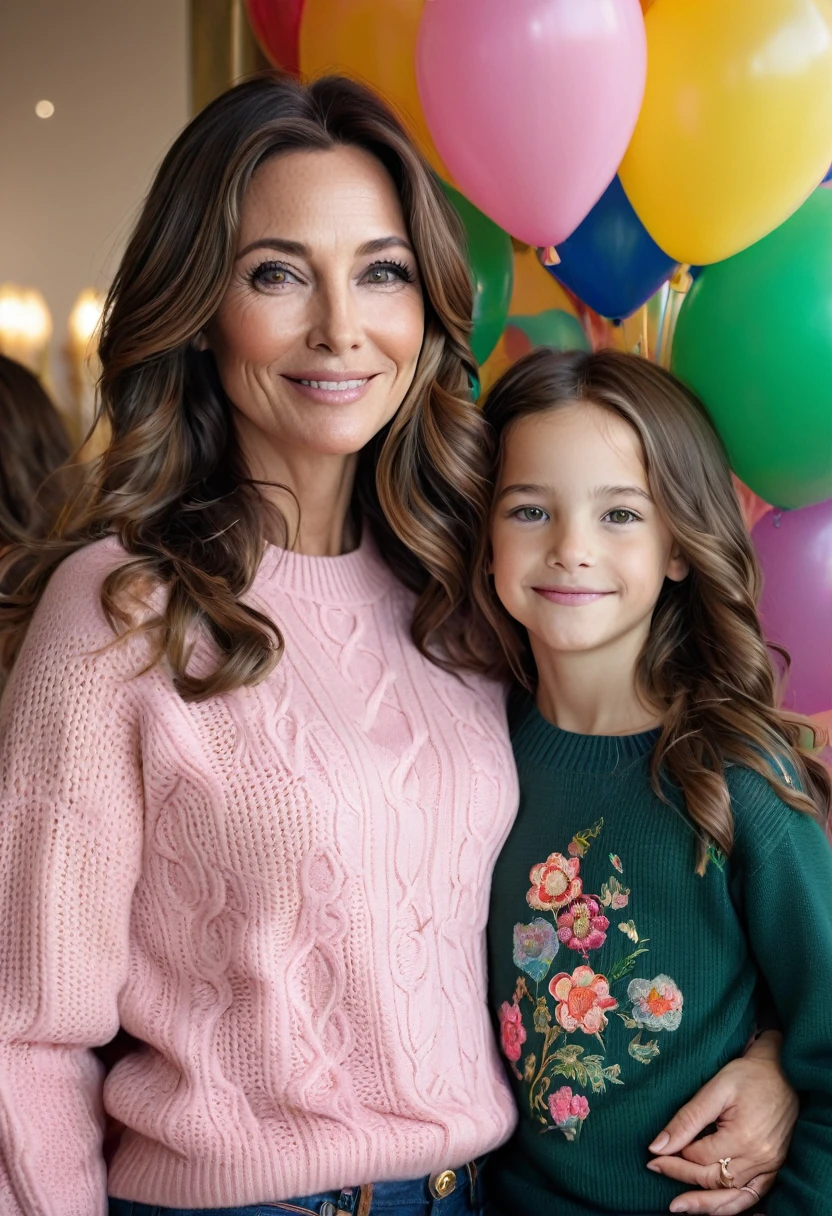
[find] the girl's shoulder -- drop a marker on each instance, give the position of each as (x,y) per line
(762,819)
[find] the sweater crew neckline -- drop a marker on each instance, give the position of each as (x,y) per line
(358,577)
(541,742)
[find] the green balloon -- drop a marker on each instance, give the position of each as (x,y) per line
(554,328)
(754,341)
(491,259)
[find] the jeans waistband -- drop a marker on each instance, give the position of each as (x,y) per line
(451,1192)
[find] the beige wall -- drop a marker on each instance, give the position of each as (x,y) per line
(117,73)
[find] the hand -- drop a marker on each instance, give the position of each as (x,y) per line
(755,1109)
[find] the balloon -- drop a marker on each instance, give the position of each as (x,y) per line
(534,288)
(497,362)
(795,549)
(828,179)
(552,328)
(373,41)
(276,26)
(492,269)
(723,152)
(610,261)
(754,340)
(753,508)
(532,104)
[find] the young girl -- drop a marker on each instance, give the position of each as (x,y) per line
(667,865)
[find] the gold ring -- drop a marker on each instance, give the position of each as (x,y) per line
(726,1178)
(756,1194)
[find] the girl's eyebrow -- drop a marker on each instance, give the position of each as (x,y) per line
(521,488)
(615,491)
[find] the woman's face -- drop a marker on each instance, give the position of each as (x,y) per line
(318,334)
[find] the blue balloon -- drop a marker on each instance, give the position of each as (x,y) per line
(828,177)
(610,261)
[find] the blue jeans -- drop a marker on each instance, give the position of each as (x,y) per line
(412,1198)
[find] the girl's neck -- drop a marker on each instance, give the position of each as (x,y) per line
(592,693)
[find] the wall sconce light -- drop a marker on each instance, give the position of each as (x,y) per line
(82,359)
(25,327)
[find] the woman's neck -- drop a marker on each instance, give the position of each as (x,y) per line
(593,693)
(312,492)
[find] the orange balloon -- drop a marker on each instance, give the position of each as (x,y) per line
(499,361)
(373,41)
(645,4)
(534,288)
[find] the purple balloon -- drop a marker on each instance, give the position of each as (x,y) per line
(795,549)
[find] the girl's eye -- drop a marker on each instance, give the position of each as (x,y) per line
(382,274)
(621,516)
(271,274)
(530,515)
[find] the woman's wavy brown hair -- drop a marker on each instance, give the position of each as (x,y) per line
(706,661)
(172,485)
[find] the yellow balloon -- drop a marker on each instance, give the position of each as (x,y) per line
(736,126)
(534,288)
(373,41)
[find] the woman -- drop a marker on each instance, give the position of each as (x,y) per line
(266,859)
(33,444)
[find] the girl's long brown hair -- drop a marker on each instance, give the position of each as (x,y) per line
(172,486)
(706,661)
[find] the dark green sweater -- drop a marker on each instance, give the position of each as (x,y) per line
(606,1041)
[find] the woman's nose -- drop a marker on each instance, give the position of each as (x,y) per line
(336,321)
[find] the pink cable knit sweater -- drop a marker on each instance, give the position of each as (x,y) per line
(281,891)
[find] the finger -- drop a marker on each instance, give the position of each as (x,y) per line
(704,1108)
(729,1142)
(722,1202)
(680,1170)
(706,1176)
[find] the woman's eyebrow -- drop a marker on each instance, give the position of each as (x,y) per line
(299,250)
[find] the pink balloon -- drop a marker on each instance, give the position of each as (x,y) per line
(795,548)
(531,103)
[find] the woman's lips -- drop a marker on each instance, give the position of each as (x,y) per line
(332,389)
(572,597)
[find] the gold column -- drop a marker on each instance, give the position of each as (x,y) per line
(223,49)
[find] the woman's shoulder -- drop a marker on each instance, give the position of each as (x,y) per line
(73,592)
(70,621)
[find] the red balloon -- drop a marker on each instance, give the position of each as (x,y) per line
(276,26)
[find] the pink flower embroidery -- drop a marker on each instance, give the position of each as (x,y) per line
(583,926)
(657,1003)
(512,1030)
(554,882)
(583,998)
(568,1111)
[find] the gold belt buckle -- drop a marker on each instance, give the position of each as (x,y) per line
(442,1184)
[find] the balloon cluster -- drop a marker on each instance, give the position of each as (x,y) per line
(603,157)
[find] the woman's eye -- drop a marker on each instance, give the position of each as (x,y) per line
(271,274)
(621,516)
(381,274)
(530,515)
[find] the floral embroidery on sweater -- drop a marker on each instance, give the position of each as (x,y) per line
(582,999)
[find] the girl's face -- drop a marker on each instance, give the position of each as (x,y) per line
(579,549)
(319,332)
